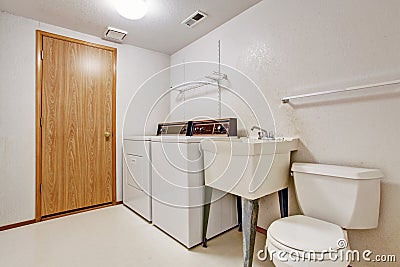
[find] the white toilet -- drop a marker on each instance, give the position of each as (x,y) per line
(332,199)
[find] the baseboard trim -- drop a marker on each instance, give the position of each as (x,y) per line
(15,225)
(19,224)
(76,211)
(261,230)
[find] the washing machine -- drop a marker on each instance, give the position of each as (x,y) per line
(178,182)
(136,175)
(136,172)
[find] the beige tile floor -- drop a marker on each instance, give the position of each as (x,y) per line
(113,237)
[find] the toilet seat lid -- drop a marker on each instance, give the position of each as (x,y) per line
(304,233)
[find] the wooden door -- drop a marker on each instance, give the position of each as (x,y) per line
(77,123)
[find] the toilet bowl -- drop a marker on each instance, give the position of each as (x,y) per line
(332,199)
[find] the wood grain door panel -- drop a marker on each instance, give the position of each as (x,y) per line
(77,109)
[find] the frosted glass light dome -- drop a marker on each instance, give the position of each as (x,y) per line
(131,9)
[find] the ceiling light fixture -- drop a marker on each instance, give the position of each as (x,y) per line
(131,9)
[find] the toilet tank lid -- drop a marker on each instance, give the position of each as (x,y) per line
(337,171)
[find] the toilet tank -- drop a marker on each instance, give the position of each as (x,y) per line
(346,196)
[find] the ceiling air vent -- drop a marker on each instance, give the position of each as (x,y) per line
(194,19)
(115,35)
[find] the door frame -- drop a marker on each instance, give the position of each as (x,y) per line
(39,77)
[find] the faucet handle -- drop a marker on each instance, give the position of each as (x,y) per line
(262,134)
(271,135)
(266,135)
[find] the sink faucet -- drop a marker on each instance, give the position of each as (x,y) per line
(262,132)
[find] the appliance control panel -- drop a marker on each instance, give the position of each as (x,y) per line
(173,128)
(217,127)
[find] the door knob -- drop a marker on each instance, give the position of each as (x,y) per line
(107,134)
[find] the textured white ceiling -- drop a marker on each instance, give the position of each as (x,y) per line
(161,30)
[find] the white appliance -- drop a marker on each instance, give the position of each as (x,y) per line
(331,198)
(178,185)
(136,175)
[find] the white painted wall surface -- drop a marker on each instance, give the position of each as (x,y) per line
(17,107)
(293,47)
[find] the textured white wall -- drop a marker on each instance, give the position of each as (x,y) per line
(293,47)
(17,107)
(17,119)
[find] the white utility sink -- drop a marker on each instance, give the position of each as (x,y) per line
(247,167)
